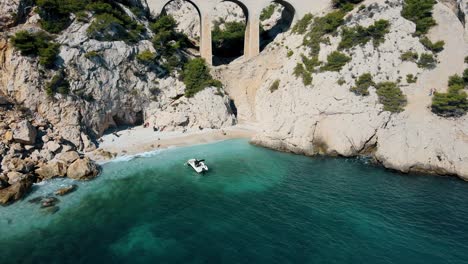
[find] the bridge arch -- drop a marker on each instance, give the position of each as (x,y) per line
(288,16)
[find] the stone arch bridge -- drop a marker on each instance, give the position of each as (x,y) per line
(252,10)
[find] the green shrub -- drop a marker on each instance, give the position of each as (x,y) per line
(345,4)
(419,12)
(341,81)
(410,78)
(303,24)
(362,85)
(391,97)
(465,76)
(290,53)
(434,47)
(300,71)
(454,102)
(360,35)
(58,84)
(92,54)
(274,86)
(146,57)
(106,27)
(427,61)
(335,61)
(466,59)
(409,56)
(267,12)
(228,42)
(196,77)
(456,80)
(37,44)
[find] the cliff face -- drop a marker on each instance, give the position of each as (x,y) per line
(326,118)
(108,86)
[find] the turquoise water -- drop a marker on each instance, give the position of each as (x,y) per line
(255,206)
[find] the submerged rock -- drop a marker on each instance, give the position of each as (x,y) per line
(66,190)
(51,209)
(49,202)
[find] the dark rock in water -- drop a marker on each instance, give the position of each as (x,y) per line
(49,202)
(51,209)
(66,190)
(36,200)
(15,191)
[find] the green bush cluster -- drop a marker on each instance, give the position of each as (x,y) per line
(360,35)
(335,61)
(410,78)
(409,56)
(167,41)
(303,24)
(37,44)
(275,85)
(391,97)
(58,84)
(454,102)
(362,84)
(300,71)
(427,61)
(111,22)
(196,77)
(267,12)
(434,47)
(228,42)
(146,57)
(419,12)
(315,30)
(347,5)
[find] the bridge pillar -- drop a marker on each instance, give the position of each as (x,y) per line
(252,36)
(206,51)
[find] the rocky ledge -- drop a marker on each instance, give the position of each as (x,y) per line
(32,151)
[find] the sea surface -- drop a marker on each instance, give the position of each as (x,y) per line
(254,206)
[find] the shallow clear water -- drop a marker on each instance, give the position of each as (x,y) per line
(255,206)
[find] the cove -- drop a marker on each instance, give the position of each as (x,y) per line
(255,206)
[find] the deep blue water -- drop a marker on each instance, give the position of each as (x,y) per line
(255,206)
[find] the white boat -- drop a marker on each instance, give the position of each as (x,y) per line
(198,165)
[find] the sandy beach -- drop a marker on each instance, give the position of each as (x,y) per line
(139,140)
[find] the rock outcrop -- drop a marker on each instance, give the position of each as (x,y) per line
(82,169)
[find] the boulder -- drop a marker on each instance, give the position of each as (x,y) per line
(4,101)
(82,169)
(52,169)
(25,133)
(66,190)
(68,157)
(53,146)
(11,163)
(15,191)
(8,136)
(14,177)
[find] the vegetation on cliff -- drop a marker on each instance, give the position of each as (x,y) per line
(38,44)
(391,97)
(362,84)
(359,35)
(228,41)
(196,77)
(454,102)
(419,12)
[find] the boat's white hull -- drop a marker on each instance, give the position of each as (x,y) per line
(200,168)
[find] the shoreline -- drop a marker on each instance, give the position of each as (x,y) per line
(140,140)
